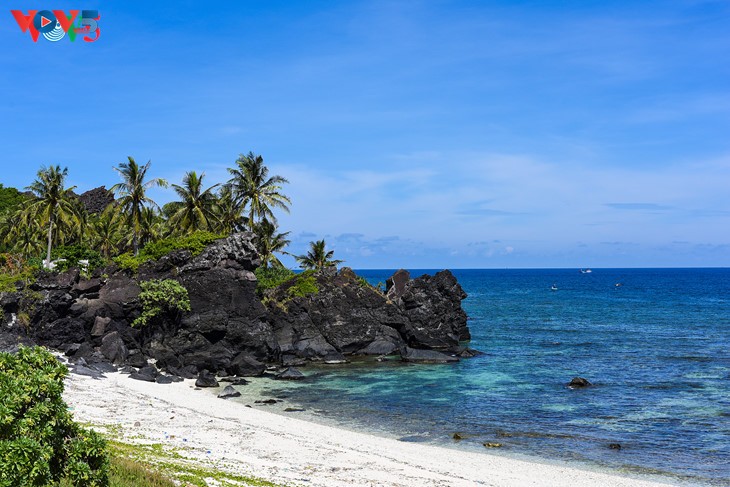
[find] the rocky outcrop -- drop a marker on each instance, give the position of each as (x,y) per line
(228,329)
(347,316)
(96,200)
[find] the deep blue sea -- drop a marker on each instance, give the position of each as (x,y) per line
(656,348)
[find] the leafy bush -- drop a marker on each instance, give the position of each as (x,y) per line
(195,243)
(160,296)
(72,254)
(39,442)
(13,268)
(271,277)
(304,285)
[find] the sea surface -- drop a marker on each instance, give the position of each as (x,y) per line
(656,347)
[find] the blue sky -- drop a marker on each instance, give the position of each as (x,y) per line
(414,134)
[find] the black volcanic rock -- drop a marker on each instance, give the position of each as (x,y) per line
(290,373)
(206,379)
(228,329)
(243,365)
(229,392)
(96,200)
(578,383)
(426,356)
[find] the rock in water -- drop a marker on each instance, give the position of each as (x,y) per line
(334,358)
(229,391)
(290,373)
(206,379)
(426,356)
(578,382)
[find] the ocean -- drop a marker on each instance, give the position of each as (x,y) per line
(656,348)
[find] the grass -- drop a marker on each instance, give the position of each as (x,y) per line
(157,465)
(125,472)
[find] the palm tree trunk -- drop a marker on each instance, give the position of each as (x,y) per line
(50,238)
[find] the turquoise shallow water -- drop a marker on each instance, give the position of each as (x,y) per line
(657,349)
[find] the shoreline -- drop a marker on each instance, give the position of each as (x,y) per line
(231,437)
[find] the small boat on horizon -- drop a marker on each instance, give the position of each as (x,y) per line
(553,287)
(585,271)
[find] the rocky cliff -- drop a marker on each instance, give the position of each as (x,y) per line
(229,329)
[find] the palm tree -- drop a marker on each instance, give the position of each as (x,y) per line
(196,208)
(229,212)
(317,257)
(106,231)
(267,242)
(251,185)
(152,226)
(53,203)
(131,193)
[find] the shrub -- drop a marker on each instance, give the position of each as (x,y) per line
(13,268)
(39,442)
(195,243)
(72,254)
(271,277)
(304,285)
(160,296)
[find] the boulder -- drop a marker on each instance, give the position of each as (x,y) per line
(113,348)
(164,379)
(334,358)
(104,367)
(150,370)
(244,365)
(142,377)
(87,371)
(229,392)
(578,383)
(426,356)
(290,373)
(86,286)
(100,324)
(395,285)
(206,379)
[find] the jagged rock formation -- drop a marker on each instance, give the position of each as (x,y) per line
(229,330)
(96,200)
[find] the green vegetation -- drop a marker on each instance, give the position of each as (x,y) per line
(160,297)
(54,205)
(124,472)
(195,243)
(39,442)
(133,198)
(13,268)
(318,257)
(196,209)
(134,230)
(271,277)
(250,182)
(10,199)
(304,284)
(72,254)
(171,463)
(268,242)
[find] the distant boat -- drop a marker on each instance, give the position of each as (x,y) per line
(585,271)
(553,287)
(618,284)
